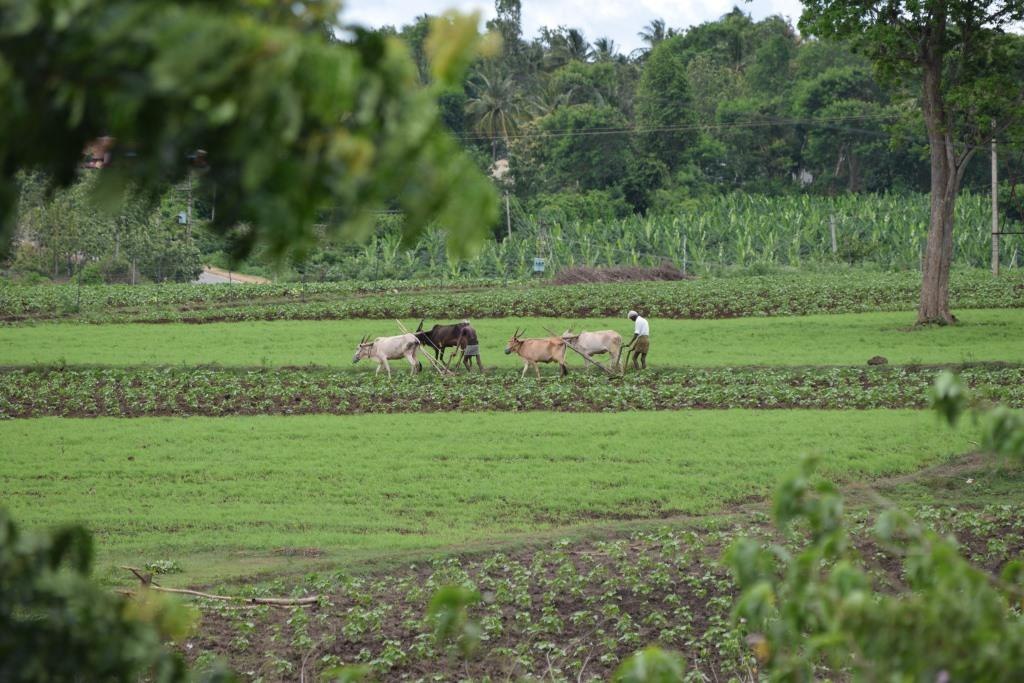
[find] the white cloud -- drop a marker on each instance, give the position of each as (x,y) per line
(621,20)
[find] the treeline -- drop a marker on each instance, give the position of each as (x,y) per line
(733,105)
(735,143)
(80,234)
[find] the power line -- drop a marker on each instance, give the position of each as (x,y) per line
(634,130)
(638,130)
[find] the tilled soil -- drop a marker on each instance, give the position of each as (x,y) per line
(566,611)
(561,611)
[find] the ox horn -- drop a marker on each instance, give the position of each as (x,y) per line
(419,328)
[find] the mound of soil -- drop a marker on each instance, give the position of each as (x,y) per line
(586,274)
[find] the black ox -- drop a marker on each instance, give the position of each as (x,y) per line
(443,337)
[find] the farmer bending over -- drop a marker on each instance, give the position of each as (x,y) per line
(470,346)
(641,341)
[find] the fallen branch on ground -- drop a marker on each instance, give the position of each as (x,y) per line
(146,579)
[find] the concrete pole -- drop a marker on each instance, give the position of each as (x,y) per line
(995,210)
(188,214)
(508,216)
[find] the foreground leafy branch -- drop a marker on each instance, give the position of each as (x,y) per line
(821,606)
(290,121)
(56,624)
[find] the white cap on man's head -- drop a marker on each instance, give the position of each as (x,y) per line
(632,314)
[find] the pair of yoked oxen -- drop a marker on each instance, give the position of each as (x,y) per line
(461,335)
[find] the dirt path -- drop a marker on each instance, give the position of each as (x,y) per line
(212,275)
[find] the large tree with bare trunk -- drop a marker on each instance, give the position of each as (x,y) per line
(968,71)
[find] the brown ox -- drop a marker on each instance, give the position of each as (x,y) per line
(533,351)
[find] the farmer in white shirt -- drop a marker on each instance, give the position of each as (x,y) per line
(641,341)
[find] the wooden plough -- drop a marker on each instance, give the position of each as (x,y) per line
(582,355)
(441,369)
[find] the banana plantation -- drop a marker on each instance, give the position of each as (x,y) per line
(705,236)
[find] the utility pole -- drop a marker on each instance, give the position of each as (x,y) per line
(995,207)
(508,216)
(684,253)
(188,216)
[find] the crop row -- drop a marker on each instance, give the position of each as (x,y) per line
(71,299)
(563,611)
(721,298)
(137,392)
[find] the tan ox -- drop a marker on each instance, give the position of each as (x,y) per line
(533,351)
(596,343)
(383,349)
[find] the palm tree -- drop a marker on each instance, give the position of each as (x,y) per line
(655,32)
(566,45)
(605,50)
(548,100)
(576,46)
(495,107)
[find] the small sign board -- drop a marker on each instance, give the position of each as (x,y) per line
(538,265)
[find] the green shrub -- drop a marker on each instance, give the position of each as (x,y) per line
(90,274)
(56,624)
(823,605)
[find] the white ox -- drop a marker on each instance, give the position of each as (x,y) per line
(383,349)
(595,343)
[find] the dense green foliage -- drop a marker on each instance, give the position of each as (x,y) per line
(66,234)
(354,486)
(729,104)
(801,130)
(825,606)
(708,235)
(663,103)
(183,392)
(289,120)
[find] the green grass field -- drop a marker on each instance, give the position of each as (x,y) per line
(233,495)
(847,339)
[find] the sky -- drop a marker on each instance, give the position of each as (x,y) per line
(619,20)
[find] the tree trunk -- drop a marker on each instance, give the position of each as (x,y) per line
(938,256)
(853,166)
(945,185)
